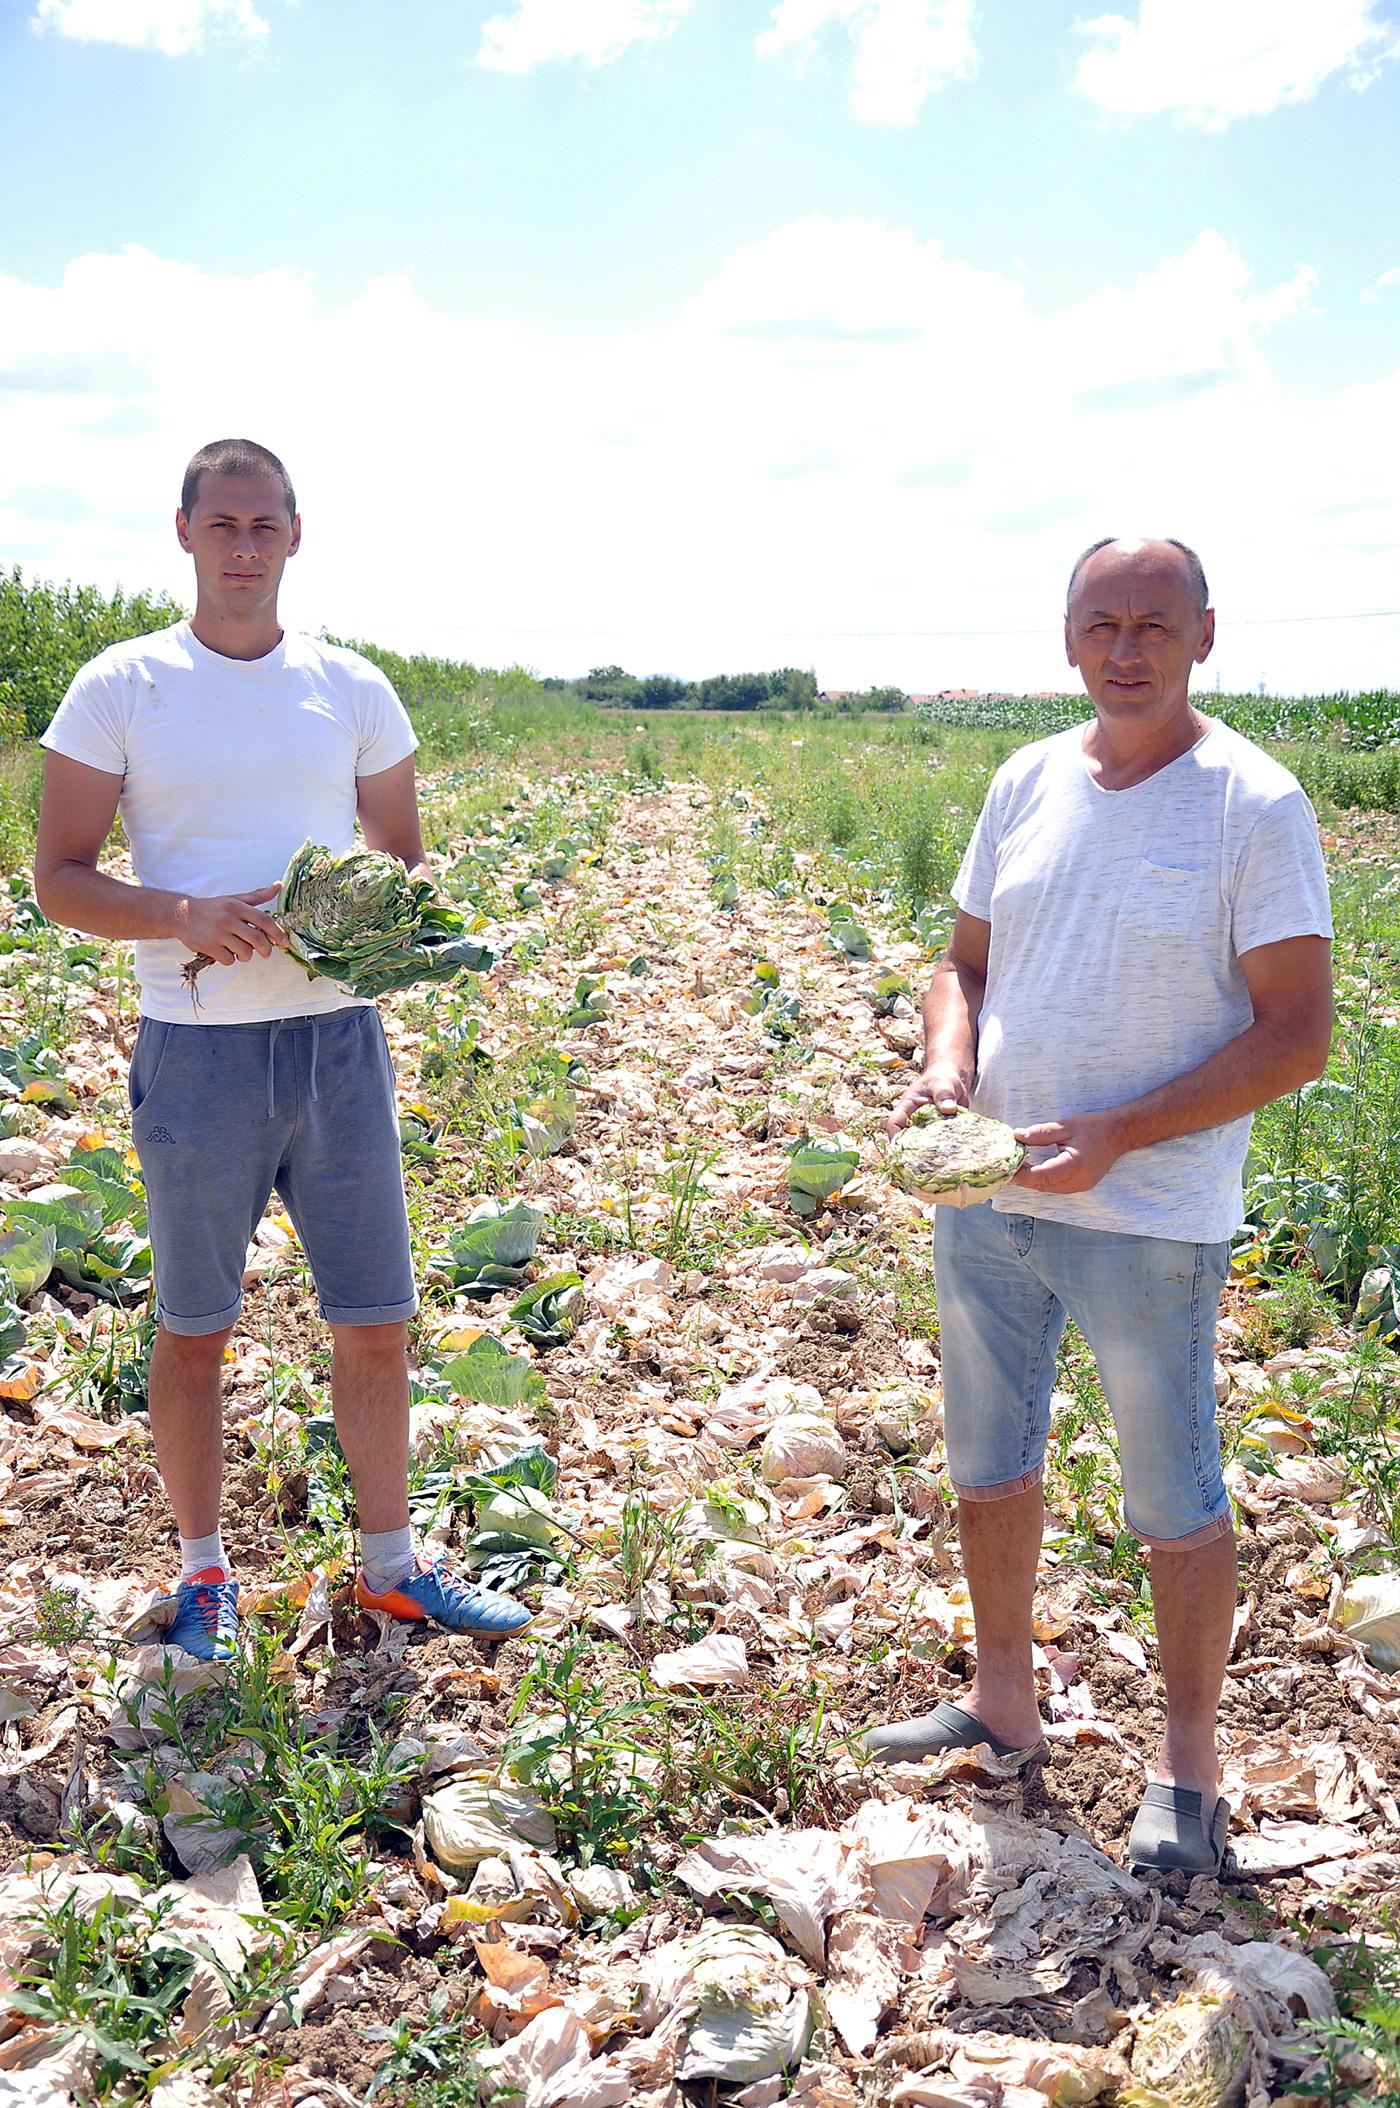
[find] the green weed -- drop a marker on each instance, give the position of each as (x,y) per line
(1290,1315)
(113,1978)
(765,1751)
(299,1800)
(1365,2035)
(64,1621)
(434,2065)
(599,1763)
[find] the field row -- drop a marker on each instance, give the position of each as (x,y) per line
(676,1381)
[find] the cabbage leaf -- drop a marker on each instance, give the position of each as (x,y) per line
(360,920)
(817,1171)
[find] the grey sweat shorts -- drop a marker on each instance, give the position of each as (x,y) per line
(222,1116)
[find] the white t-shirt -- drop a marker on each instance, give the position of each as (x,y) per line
(227,767)
(1118,919)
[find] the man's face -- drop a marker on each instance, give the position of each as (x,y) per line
(1135,629)
(240,537)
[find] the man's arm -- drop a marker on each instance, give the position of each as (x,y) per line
(951,1010)
(1290,987)
(388,813)
(75,819)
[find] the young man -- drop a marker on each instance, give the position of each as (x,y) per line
(1140,960)
(226,742)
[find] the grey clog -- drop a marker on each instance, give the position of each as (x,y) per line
(946,1727)
(1171,1833)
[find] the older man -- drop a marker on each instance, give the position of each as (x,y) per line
(1140,960)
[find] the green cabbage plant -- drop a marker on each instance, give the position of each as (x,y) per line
(548,1313)
(90,1230)
(816,1172)
(541,1126)
(519,1535)
(491,1249)
(489,1374)
(33,1073)
(846,934)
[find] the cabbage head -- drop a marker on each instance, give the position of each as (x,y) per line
(1369,1609)
(802,1446)
(750,2020)
(491,1248)
(543,1125)
(477,1817)
(1193,2053)
(516,1517)
(817,1171)
(549,1312)
(957,1160)
(360,920)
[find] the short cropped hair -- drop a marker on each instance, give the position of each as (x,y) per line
(235,457)
(1193,565)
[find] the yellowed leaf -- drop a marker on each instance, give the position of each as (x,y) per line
(461,1337)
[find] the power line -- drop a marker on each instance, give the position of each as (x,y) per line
(1233,623)
(1272,621)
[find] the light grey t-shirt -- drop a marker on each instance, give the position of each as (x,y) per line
(227,766)
(1118,920)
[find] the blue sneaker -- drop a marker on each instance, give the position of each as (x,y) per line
(434,1595)
(206,1622)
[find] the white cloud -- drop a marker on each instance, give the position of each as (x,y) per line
(903,50)
(1193,315)
(596,31)
(846,429)
(1211,61)
(1386,278)
(857,279)
(171,26)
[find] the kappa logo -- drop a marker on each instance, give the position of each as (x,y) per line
(160,1134)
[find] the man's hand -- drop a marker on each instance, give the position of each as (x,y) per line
(229,927)
(1085,1148)
(943,1086)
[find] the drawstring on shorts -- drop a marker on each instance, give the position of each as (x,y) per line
(273,1030)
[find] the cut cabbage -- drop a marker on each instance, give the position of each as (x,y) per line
(1192,2054)
(360,920)
(904,1415)
(955,1160)
(1369,1609)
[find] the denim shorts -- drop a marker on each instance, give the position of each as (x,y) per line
(1146,1306)
(223,1116)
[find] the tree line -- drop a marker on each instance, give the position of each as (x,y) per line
(48,631)
(788,688)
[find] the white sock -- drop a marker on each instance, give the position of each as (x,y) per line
(387,1557)
(197,1553)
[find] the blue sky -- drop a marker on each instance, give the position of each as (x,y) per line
(691,333)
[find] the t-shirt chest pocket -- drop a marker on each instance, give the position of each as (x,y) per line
(1163,900)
